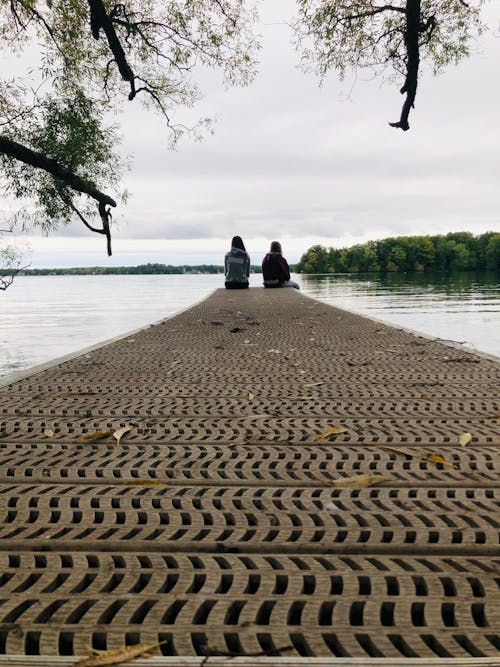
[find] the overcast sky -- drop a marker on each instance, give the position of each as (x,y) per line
(303,164)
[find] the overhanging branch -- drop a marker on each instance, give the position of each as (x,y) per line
(412,64)
(63,175)
(99,19)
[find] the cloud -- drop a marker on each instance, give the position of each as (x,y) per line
(311,164)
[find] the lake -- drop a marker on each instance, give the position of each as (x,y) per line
(44,317)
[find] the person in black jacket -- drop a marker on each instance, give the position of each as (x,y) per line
(275,269)
(237,265)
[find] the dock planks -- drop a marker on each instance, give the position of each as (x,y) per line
(227,522)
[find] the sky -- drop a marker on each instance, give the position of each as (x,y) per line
(304,164)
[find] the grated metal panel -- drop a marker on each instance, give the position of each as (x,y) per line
(245,463)
(209,604)
(260,428)
(215,523)
(307,520)
(81,406)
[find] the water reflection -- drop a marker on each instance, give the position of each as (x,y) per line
(458,306)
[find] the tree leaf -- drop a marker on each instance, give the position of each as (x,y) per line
(400,450)
(116,656)
(47,431)
(356,482)
(331,430)
(464,439)
(96,435)
(121,432)
(423,456)
(438,459)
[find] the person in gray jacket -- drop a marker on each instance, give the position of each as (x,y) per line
(237,265)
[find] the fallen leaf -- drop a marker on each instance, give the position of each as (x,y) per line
(116,656)
(236,330)
(464,439)
(250,396)
(216,323)
(438,459)
(48,432)
(96,435)
(400,450)
(121,432)
(360,363)
(253,323)
(331,430)
(358,481)
(314,384)
(423,456)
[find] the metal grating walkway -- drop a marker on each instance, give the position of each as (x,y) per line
(222,524)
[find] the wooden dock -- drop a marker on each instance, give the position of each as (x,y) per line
(264,478)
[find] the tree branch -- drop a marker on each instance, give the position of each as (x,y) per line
(376,10)
(99,18)
(105,214)
(7,276)
(413,60)
(64,176)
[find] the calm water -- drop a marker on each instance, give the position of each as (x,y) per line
(44,317)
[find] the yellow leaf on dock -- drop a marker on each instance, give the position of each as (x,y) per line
(331,430)
(121,432)
(116,656)
(464,439)
(356,482)
(438,459)
(96,435)
(47,431)
(418,454)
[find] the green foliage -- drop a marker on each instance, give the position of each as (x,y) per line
(390,39)
(455,251)
(71,130)
(141,269)
(339,35)
(87,71)
(12,259)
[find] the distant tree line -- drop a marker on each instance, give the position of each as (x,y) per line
(129,270)
(458,251)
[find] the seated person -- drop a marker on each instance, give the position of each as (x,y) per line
(275,269)
(237,265)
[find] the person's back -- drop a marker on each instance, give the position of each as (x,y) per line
(236,265)
(275,269)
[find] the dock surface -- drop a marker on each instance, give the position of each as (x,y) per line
(291,481)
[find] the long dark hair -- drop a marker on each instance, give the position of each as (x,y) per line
(237,242)
(276,247)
